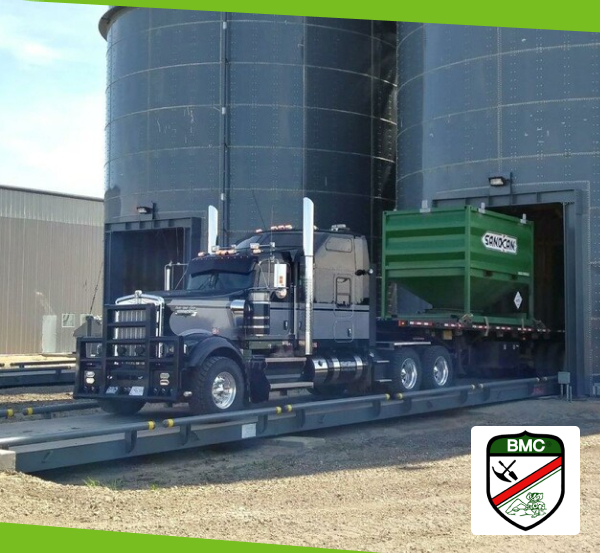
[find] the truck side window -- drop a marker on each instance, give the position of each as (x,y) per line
(343,291)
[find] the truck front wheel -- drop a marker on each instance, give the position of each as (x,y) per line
(437,368)
(217,386)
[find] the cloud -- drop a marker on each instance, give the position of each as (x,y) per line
(38,34)
(16,41)
(52,97)
(60,149)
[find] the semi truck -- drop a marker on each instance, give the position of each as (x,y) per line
(289,309)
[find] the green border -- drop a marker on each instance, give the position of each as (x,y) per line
(18,537)
(576,16)
(510,13)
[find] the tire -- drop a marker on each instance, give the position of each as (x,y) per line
(121,407)
(217,386)
(438,369)
(406,371)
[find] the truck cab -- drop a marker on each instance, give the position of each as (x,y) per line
(282,309)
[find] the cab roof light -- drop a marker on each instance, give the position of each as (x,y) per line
(282,227)
(340,227)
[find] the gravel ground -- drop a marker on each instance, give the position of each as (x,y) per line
(18,398)
(383,487)
(7,359)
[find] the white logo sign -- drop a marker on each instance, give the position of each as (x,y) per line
(523,476)
(518,300)
(499,242)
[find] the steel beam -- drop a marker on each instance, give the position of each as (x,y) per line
(98,440)
(15,378)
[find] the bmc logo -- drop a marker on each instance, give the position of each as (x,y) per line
(525,445)
(521,477)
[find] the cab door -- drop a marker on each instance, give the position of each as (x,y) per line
(343,310)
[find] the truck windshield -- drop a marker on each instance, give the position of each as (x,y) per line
(220,282)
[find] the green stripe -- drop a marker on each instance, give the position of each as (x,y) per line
(577,16)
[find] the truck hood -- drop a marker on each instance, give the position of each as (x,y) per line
(187,315)
(187,312)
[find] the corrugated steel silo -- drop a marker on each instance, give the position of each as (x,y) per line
(522,104)
(248,113)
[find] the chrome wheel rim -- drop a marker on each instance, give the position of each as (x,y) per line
(441,371)
(224,390)
(409,374)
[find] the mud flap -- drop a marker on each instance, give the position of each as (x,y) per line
(258,381)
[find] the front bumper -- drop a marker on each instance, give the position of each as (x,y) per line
(129,362)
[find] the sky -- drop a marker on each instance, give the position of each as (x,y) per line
(52,103)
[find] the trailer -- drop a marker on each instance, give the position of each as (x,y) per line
(287,309)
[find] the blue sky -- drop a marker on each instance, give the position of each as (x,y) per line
(52,109)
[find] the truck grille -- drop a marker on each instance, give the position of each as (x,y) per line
(132,358)
(131,323)
(128,332)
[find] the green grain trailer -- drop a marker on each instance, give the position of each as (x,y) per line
(469,264)
(473,268)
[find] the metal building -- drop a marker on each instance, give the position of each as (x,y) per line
(248,113)
(50,274)
(511,118)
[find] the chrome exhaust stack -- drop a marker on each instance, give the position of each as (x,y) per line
(213,228)
(308,244)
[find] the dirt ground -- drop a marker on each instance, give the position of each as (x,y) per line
(19,398)
(385,487)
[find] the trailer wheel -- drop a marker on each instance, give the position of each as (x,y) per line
(217,386)
(406,371)
(122,406)
(438,370)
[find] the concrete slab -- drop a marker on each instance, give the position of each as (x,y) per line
(8,460)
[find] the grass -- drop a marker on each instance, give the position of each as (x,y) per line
(112,485)
(91,483)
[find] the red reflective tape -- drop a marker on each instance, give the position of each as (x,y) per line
(520,486)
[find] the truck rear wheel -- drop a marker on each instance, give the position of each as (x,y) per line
(406,371)
(217,386)
(122,406)
(438,371)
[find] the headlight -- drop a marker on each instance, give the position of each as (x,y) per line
(90,377)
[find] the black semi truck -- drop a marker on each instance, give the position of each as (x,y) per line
(286,309)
